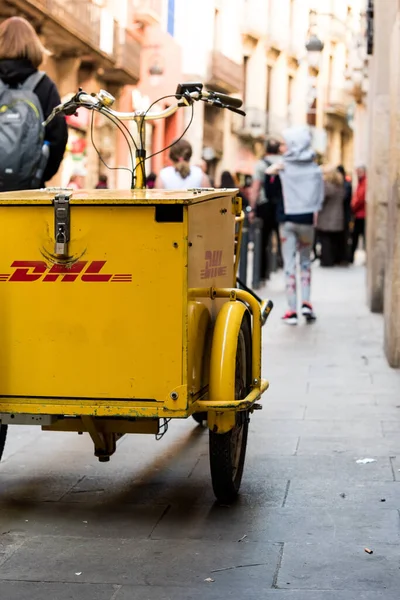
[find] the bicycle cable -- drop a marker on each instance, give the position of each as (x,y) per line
(143,119)
(117,124)
(140,164)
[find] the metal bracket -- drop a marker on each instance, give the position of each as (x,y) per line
(62,222)
(27,419)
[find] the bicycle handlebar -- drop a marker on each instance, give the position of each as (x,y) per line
(102,102)
(226,100)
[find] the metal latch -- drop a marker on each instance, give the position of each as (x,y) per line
(62,222)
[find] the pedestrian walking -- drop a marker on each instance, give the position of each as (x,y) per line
(102,184)
(358,209)
(263,199)
(77,179)
(29,154)
(151,181)
(227,180)
(181,175)
(348,192)
(303,194)
(330,220)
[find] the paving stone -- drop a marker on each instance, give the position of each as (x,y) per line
(19,590)
(349,446)
(395,462)
(143,562)
(83,520)
(364,525)
(282,411)
(352,412)
(389,427)
(156,490)
(340,567)
(318,467)
(215,591)
(326,427)
(334,398)
(390,399)
(329,494)
(271,444)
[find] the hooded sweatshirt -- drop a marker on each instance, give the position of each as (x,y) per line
(301,177)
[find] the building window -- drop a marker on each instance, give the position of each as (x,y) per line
(245,78)
(290,98)
(312,114)
(290,89)
(269,82)
(171,17)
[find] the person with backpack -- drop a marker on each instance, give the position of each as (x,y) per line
(30,154)
(264,193)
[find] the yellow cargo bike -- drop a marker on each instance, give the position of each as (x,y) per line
(120,310)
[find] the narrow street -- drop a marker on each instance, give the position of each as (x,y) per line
(145,527)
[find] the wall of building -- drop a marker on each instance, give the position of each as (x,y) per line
(378,159)
(392,265)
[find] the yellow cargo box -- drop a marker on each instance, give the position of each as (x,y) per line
(111,319)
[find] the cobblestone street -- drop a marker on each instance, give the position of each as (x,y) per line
(145,527)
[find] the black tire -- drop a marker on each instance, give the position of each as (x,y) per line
(200,417)
(228,450)
(3,436)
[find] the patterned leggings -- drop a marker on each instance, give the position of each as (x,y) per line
(295,239)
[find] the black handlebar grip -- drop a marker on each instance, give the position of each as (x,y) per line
(227,100)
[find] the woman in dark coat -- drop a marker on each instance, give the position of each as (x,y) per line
(330,222)
(21,53)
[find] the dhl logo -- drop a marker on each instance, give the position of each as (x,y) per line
(87,271)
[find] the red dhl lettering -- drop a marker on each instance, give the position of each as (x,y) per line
(87,271)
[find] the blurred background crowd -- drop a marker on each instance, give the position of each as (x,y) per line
(292,62)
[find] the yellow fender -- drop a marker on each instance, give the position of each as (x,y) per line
(198,325)
(223,363)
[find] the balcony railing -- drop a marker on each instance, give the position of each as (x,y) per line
(148,12)
(84,18)
(337,101)
(277,123)
(259,124)
(127,58)
(225,75)
(68,26)
(253,125)
(213,137)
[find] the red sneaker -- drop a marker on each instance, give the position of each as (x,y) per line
(308,313)
(290,317)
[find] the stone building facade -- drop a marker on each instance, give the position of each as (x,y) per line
(256,49)
(383,198)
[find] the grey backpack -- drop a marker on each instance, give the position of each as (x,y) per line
(21,134)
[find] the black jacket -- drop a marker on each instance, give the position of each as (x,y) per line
(14,72)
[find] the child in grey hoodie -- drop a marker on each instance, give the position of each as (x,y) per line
(303,195)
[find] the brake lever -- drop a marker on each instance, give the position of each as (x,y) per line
(236,110)
(216,102)
(53,114)
(70,110)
